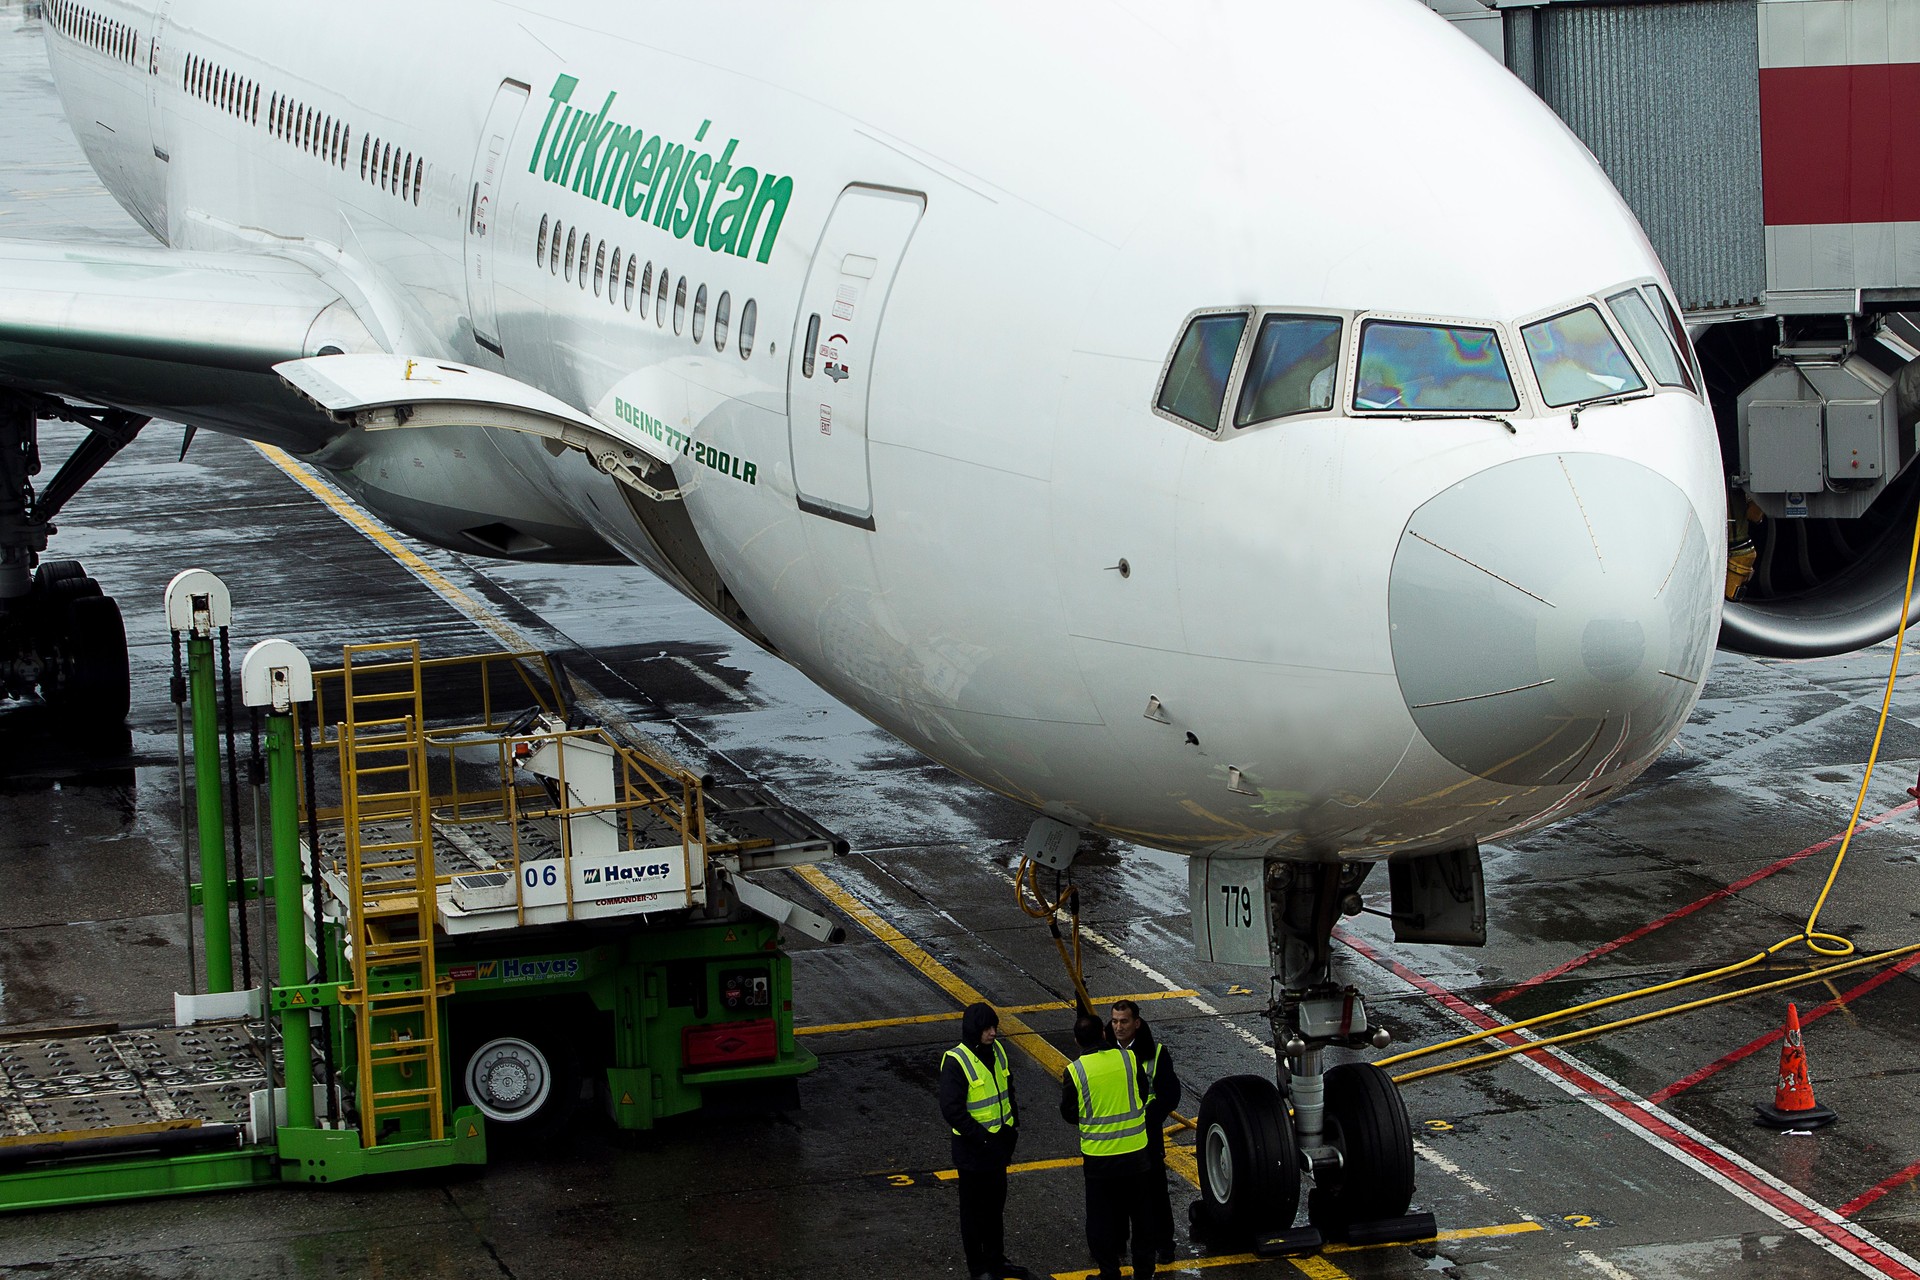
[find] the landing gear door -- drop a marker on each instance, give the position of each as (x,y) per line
(483,209)
(837,335)
(1229,900)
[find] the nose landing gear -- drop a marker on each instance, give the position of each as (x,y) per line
(1342,1128)
(59,635)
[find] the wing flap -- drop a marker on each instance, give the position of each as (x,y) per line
(379,392)
(186,336)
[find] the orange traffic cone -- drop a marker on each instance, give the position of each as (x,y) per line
(1793,1105)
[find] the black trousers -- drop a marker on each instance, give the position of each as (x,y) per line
(1159,1204)
(1117,1210)
(983,1207)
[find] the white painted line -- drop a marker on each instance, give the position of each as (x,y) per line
(1446,1166)
(701,673)
(1604,1267)
(1744,1180)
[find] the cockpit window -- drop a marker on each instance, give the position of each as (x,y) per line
(1432,368)
(1648,334)
(1664,305)
(1196,382)
(1576,357)
(1292,370)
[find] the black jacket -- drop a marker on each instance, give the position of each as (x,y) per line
(1103,1166)
(1166,1087)
(975,1148)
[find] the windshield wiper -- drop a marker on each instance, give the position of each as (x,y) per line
(1460,417)
(1573,415)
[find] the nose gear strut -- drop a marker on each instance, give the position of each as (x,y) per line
(1342,1127)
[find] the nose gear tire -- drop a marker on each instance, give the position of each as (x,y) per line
(1367,1120)
(1249,1169)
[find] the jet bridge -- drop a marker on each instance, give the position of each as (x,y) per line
(1761,146)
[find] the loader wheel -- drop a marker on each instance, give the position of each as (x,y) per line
(526,1083)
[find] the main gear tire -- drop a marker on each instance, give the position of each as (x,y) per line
(88,677)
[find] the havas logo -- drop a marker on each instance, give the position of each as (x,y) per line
(674,185)
(626,875)
(540,970)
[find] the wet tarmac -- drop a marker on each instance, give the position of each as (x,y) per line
(1635,1155)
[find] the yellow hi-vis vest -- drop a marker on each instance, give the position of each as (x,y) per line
(988,1100)
(1113,1116)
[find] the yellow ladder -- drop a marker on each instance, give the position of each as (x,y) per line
(391,889)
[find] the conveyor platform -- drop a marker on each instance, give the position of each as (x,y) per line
(102,1082)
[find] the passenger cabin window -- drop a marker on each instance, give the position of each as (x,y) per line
(1576,357)
(1648,334)
(699,315)
(722,313)
(749,314)
(646,288)
(1196,381)
(679,305)
(1292,371)
(1432,368)
(660,301)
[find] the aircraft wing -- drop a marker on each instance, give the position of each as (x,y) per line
(191,337)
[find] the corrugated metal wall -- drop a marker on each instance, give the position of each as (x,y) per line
(1667,96)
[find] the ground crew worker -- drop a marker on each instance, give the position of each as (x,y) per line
(1104,1092)
(1130,1031)
(976,1099)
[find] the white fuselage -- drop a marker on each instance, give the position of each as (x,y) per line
(1041,197)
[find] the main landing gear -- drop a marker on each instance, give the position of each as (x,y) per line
(1343,1128)
(59,635)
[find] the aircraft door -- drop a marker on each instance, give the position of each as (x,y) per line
(483,209)
(831,364)
(156,104)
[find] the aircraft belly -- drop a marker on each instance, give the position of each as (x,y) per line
(457,487)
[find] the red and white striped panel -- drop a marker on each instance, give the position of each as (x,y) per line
(1840,143)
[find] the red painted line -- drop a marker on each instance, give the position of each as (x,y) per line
(1873,1193)
(1718,1065)
(1812,1218)
(1833,144)
(1682,913)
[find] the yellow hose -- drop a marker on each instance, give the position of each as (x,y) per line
(1816,940)
(1025,883)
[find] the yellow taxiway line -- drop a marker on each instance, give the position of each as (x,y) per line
(1049,1006)
(1317,1266)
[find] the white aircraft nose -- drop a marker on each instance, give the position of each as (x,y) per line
(1552,617)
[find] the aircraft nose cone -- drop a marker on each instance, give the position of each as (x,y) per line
(1552,617)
